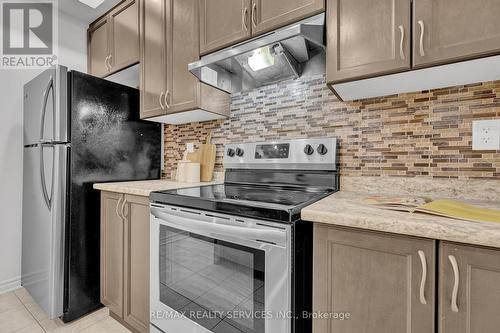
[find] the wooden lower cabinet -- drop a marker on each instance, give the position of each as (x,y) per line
(125,258)
(112,251)
(474,273)
(136,270)
(384,282)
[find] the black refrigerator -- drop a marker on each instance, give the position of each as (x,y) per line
(78,130)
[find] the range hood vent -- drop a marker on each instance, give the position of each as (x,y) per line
(267,59)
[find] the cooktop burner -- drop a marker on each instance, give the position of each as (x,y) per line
(270,202)
(250,194)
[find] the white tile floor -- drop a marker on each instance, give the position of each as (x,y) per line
(20,314)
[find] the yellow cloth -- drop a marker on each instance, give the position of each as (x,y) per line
(460,210)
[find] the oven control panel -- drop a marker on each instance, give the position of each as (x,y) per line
(301,154)
(271,151)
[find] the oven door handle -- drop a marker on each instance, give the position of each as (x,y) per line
(266,235)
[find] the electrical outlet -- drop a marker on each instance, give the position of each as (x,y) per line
(486,134)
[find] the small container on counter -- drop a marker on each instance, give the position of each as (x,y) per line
(187,171)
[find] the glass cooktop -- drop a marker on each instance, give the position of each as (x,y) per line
(270,202)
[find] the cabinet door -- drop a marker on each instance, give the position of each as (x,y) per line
(98,50)
(112,232)
(476,279)
(182,31)
(367,38)
(136,304)
(124,42)
(223,23)
(153,57)
(452,30)
(385,282)
(268,15)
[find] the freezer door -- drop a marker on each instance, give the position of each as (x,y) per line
(45,107)
(44,214)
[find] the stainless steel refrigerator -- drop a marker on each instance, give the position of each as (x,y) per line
(78,130)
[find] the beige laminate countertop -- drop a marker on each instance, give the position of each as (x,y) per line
(145,187)
(347,209)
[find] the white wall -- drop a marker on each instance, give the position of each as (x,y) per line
(71,53)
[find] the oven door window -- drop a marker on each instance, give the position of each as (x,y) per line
(217,284)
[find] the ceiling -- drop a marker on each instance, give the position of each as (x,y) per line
(83,12)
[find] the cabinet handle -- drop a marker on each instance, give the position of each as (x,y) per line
(118,205)
(245,17)
(109,62)
(106,63)
(423,261)
(401,49)
(422,32)
(161,101)
(254,14)
(167,99)
(454,294)
(124,203)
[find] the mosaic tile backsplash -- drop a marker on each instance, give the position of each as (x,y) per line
(424,134)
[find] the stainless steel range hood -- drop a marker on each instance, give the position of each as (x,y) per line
(266,59)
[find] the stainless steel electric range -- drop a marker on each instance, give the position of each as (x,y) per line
(236,257)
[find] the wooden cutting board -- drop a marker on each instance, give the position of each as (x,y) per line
(207,159)
(194,156)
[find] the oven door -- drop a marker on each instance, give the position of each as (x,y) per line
(219,273)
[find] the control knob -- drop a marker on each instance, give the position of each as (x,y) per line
(309,150)
(230,152)
(322,150)
(239,152)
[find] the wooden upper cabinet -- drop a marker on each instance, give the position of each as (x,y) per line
(124,29)
(182,26)
(385,282)
(112,252)
(169,42)
(98,47)
(453,30)
(153,57)
(223,23)
(475,275)
(113,40)
(367,38)
(226,22)
(268,15)
(136,268)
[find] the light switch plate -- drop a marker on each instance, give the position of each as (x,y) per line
(486,134)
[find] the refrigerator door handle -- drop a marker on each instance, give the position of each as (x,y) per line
(50,86)
(46,196)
